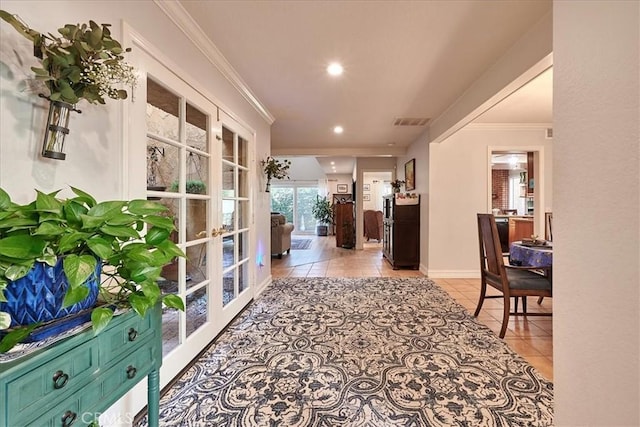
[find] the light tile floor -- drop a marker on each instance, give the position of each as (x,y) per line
(531,337)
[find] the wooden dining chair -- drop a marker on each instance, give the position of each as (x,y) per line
(548,222)
(511,281)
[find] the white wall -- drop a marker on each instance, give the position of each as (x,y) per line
(458,190)
(596,324)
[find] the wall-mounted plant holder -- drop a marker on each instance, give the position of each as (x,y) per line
(57,128)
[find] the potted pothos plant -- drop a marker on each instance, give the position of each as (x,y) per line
(323,213)
(124,243)
(275,168)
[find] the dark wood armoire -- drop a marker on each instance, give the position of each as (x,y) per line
(401,231)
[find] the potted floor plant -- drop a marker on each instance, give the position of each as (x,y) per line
(323,213)
(112,250)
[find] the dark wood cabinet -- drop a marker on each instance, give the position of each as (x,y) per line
(344,223)
(401,231)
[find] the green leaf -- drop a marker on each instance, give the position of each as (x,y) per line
(170,248)
(75,295)
(74,210)
(18,223)
(5,200)
(144,272)
(5,320)
(71,240)
(121,232)
(173,301)
(139,303)
(84,197)
(107,209)
(156,236)
(48,203)
(101,247)
(121,219)
(22,246)
(17,271)
(142,255)
(160,221)
(146,207)
(100,318)
(151,290)
(92,222)
(49,229)
(78,269)
(16,336)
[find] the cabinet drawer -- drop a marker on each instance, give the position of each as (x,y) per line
(108,387)
(120,339)
(40,388)
(122,376)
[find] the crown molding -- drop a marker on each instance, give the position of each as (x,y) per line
(192,30)
(509,126)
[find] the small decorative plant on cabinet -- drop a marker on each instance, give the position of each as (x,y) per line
(84,62)
(274,168)
(53,253)
(397,185)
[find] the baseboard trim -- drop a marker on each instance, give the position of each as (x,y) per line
(452,274)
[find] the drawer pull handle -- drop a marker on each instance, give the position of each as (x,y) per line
(131,372)
(60,380)
(133,334)
(68,418)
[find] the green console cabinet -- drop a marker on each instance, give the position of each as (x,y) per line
(76,379)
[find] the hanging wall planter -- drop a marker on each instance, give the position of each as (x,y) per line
(275,169)
(82,62)
(57,129)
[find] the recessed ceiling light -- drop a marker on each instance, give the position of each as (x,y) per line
(335,69)
(333,163)
(338,129)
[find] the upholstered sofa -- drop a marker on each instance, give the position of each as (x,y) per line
(280,235)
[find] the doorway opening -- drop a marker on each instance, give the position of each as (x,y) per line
(516,177)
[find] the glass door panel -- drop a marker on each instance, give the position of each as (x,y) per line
(305,198)
(282,201)
(235,213)
(178,177)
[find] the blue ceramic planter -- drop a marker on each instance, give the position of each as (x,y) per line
(37,297)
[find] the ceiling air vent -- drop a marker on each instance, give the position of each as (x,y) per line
(410,121)
(548,134)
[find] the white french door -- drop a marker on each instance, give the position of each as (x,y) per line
(198,165)
(235,146)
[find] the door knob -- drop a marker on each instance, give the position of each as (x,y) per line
(218,232)
(202,233)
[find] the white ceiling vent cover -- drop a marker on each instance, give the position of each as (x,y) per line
(410,121)
(548,134)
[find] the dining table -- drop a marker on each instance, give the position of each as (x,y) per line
(531,254)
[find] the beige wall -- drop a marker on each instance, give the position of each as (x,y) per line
(458,190)
(596,304)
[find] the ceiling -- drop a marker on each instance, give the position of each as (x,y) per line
(402,59)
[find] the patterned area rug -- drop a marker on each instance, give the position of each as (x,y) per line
(300,244)
(358,352)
